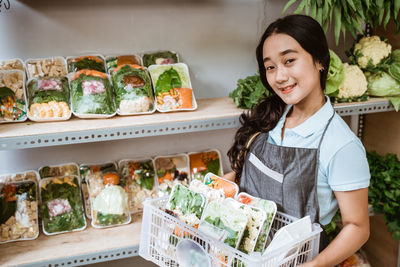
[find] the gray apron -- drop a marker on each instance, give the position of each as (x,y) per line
(286,175)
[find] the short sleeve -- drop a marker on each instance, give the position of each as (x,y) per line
(348,169)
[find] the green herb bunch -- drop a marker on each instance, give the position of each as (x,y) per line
(384,190)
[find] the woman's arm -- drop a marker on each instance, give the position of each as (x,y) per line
(354,210)
(230,176)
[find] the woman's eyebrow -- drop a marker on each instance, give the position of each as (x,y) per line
(287,51)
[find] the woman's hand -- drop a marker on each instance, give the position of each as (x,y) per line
(230,176)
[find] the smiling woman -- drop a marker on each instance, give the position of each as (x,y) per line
(294,149)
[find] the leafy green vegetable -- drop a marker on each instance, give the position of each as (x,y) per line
(213,166)
(335,75)
(44,96)
(74,219)
(168,80)
(145,175)
(86,63)
(249,91)
(7,209)
(5,91)
(111,219)
(150,59)
(187,201)
(100,103)
(384,190)
(120,89)
(232,235)
(382,84)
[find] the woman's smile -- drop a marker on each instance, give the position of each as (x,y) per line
(287,89)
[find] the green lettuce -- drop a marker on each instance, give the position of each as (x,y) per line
(45,96)
(383,84)
(168,80)
(150,59)
(335,75)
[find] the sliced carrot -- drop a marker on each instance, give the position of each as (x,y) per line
(97,59)
(134,66)
(93,73)
(167,176)
(228,187)
(185,97)
(244,199)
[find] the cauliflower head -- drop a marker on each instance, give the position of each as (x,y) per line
(371,48)
(354,83)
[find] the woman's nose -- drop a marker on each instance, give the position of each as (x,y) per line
(281,75)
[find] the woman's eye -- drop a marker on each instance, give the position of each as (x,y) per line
(289,61)
(269,68)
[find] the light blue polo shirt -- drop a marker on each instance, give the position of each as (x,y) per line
(343,165)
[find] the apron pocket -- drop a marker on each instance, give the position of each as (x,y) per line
(264,169)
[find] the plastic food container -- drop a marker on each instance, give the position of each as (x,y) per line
(159,58)
(46,67)
(88,62)
(61,205)
(231,189)
(270,210)
(108,199)
(228,217)
(59,170)
(172,87)
(48,99)
(114,61)
(19,211)
(155,241)
(91,169)
(12,64)
(133,90)
(140,181)
(12,96)
(204,162)
(91,94)
(18,177)
(211,193)
(171,170)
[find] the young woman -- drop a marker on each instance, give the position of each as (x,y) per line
(294,149)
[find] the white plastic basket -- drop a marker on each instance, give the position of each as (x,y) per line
(159,240)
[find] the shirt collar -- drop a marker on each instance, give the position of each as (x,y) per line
(316,122)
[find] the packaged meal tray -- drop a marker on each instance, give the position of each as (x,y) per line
(61,205)
(204,162)
(114,61)
(224,221)
(19,211)
(91,95)
(12,64)
(22,176)
(108,198)
(231,189)
(48,99)
(46,67)
(211,193)
(270,208)
(159,58)
(88,62)
(12,96)
(186,205)
(59,170)
(171,170)
(140,181)
(133,90)
(172,87)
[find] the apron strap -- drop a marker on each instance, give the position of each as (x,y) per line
(326,127)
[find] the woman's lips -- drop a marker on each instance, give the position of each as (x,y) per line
(287,89)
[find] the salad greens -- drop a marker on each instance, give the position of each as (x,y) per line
(145,175)
(150,59)
(248,92)
(86,63)
(95,103)
(187,201)
(124,90)
(62,188)
(45,96)
(10,107)
(335,75)
(168,80)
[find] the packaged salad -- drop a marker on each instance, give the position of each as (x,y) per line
(19,211)
(160,58)
(108,199)
(17,177)
(210,193)
(140,181)
(115,61)
(88,62)
(91,95)
(12,64)
(46,67)
(48,99)
(186,205)
(59,170)
(202,163)
(224,221)
(171,170)
(12,96)
(270,208)
(61,205)
(133,90)
(231,189)
(172,87)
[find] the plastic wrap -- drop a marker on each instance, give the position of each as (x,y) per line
(160,58)
(115,61)
(231,189)
(12,96)
(46,67)
(204,162)
(86,62)
(12,64)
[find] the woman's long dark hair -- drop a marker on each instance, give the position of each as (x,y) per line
(266,114)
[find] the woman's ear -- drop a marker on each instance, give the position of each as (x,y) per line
(319,66)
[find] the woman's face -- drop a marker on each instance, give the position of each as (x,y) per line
(290,70)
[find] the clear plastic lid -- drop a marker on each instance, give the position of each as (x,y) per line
(19,211)
(61,205)
(87,62)
(59,170)
(161,57)
(116,60)
(46,67)
(231,189)
(12,96)
(12,64)
(204,162)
